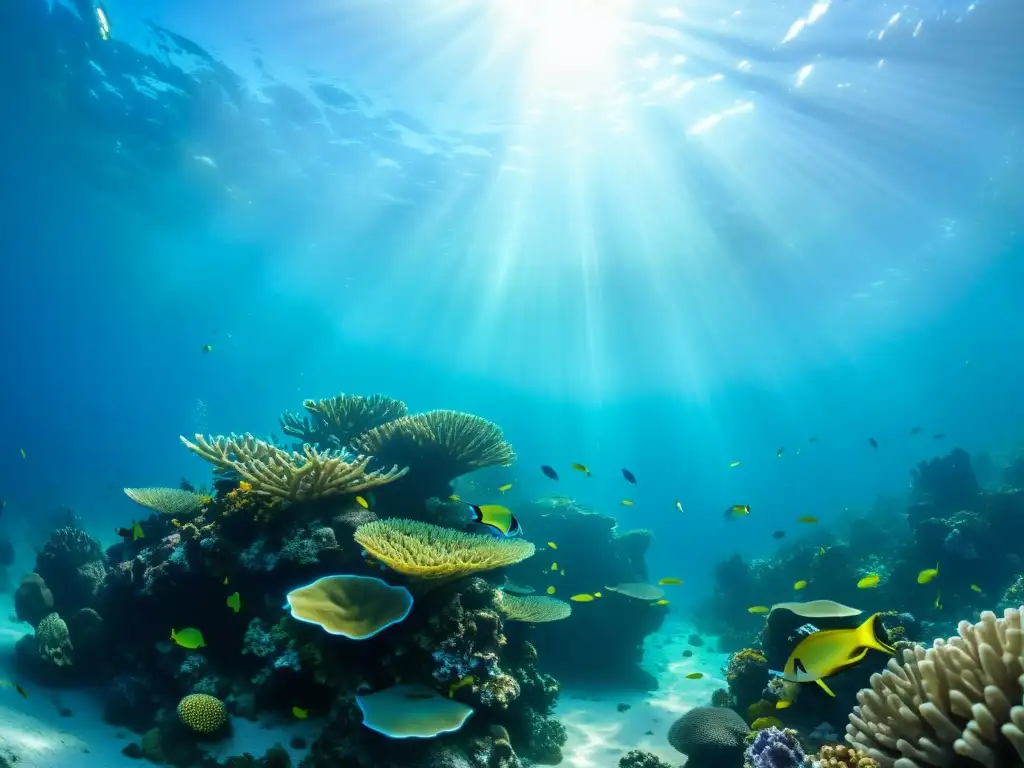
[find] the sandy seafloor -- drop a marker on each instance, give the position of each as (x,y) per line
(34,730)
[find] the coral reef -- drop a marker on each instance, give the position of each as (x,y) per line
(638,759)
(774,748)
(710,737)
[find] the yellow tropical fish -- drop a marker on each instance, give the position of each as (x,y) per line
(467,680)
(137,532)
(679,505)
(362,502)
(660,602)
(626,503)
(584,598)
(495,516)
(554,566)
(235,602)
(175,522)
(822,654)
(869,581)
(597,594)
(300,713)
(807,519)
(505,487)
(581,468)
(821,551)
(783,703)
(550,590)
(800,584)
(766,722)
(975,587)
(552,545)
(695,676)
(736,511)
(734,464)
(758,609)
(928,574)
(669,581)
(454,497)
(190,638)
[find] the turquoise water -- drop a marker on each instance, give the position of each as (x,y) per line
(659,236)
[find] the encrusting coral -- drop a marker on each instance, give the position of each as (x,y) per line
(960,698)
(333,422)
(841,756)
(290,476)
(428,551)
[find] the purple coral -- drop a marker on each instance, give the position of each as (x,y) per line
(773,748)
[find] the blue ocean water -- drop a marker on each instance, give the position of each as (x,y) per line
(653,235)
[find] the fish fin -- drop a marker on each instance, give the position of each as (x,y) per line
(798,666)
(869,632)
(825,688)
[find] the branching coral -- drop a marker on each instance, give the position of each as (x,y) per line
(533,609)
(334,421)
(175,502)
(443,444)
(431,552)
(290,476)
(961,697)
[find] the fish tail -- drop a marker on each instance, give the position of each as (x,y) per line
(869,632)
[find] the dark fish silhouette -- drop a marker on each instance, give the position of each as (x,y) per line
(915,431)
(549,471)
(872,442)
(940,436)
(778,534)
(630,477)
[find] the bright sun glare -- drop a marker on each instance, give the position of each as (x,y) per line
(568,42)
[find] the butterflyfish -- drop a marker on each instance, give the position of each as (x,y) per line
(669,581)
(737,511)
(190,638)
(626,503)
(554,566)
(235,602)
(928,574)
(362,502)
(549,471)
(137,532)
(581,468)
(496,517)
(300,713)
(822,654)
(505,487)
(869,581)
(800,584)
(630,477)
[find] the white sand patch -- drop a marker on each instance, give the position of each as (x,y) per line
(599,734)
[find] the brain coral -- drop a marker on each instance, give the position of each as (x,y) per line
(710,736)
(961,698)
(431,552)
(202,713)
(531,608)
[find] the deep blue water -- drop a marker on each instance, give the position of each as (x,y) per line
(665,251)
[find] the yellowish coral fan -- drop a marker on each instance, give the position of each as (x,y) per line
(291,476)
(531,608)
(432,552)
(176,502)
(452,442)
(342,417)
(961,698)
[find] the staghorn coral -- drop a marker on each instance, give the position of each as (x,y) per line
(290,476)
(961,698)
(332,422)
(175,502)
(531,608)
(202,713)
(431,552)
(841,756)
(439,444)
